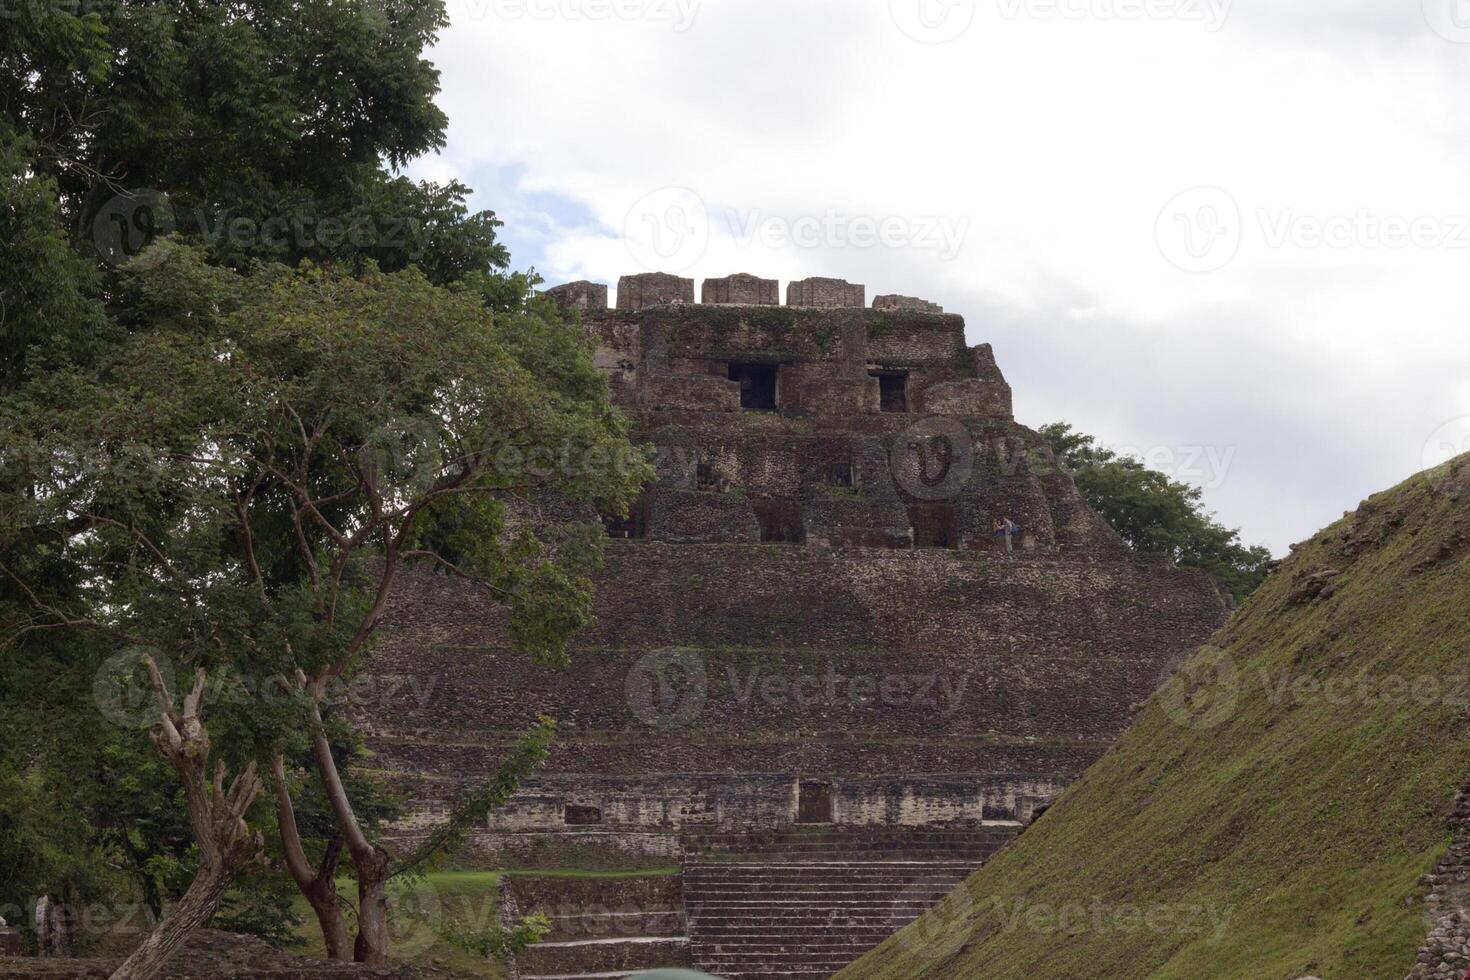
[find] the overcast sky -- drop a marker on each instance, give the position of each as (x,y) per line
(1231,236)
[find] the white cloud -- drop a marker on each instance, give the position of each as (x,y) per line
(1052,133)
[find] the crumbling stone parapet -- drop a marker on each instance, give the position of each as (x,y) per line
(910,304)
(742,289)
(653,289)
(580,295)
(825,292)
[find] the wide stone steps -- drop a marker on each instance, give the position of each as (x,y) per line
(770,916)
(880,846)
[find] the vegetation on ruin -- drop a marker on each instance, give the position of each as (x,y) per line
(1289,786)
(1156,514)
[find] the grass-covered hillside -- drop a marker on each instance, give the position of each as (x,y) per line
(1273,806)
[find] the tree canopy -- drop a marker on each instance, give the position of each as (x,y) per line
(238,487)
(1155,514)
(247,137)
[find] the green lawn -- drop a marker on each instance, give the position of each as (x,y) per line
(443,903)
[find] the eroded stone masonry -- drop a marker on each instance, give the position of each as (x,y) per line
(817,677)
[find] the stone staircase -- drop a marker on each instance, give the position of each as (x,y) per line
(603,928)
(803,903)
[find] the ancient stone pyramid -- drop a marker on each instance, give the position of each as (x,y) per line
(809,625)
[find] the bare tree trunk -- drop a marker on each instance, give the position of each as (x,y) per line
(370,860)
(372,908)
(322,894)
(226,844)
(195,909)
(318,885)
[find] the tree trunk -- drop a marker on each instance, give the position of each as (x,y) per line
(318,885)
(369,858)
(372,908)
(328,908)
(225,843)
(195,909)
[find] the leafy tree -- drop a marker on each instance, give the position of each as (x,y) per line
(242,485)
(259,130)
(1156,514)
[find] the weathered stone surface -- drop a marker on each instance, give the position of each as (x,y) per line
(581,295)
(701,517)
(821,292)
(600,926)
(653,289)
(1445,954)
(691,393)
(742,289)
(817,599)
(910,304)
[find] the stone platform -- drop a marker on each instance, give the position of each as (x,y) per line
(806,902)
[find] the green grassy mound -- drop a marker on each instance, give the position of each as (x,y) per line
(1273,806)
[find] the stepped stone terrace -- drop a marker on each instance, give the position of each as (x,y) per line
(811,647)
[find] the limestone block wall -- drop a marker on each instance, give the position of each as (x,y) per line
(585,296)
(909,303)
(741,289)
(1445,954)
(810,592)
(824,292)
(653,289)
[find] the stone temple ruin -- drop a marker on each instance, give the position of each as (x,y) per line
(818,683)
